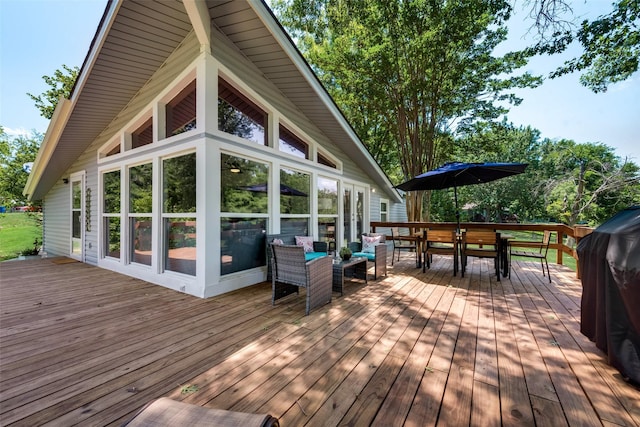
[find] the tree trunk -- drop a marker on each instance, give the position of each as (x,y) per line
(414,205)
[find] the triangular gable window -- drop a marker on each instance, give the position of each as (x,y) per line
(143,135)
(181,111)
(290,143)
(239,116)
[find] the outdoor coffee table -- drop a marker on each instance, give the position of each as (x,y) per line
(357,266)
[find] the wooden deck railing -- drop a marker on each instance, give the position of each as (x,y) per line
(561,231)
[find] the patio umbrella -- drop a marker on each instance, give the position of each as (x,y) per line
(457,174)
(285,190)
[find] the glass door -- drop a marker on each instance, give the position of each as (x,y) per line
(77,216)
(353,213)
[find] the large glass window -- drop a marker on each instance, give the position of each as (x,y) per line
(242,243)
(294,202)
(239,116)
(111,214)
(244,185)
(140,207)
(141,240)
(179,184)
(327,209)
(294,192)
(290,143)
(244,201)
(181,111)
(178,212)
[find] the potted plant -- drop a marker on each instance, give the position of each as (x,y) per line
(345,253)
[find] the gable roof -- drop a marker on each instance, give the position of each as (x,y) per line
(134,38)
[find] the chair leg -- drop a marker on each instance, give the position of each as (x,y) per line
(455,264)
(548,272)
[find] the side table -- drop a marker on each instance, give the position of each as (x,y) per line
(355,267)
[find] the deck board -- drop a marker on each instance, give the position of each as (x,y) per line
(86,346)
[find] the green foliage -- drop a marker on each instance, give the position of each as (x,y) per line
(611,46)
(18,231)
(405,72)
(61,84)
(16,156)
(345,251)
(140,186)
(235,196)
(180,184)
(586,182)
(565,181)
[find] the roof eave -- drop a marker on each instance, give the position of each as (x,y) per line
(36,188)
(265,14)
(33,190)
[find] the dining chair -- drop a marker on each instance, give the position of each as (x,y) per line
(403,243)
(440,242)
(540,253)
(481,244)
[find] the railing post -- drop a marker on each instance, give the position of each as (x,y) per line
(580,231)
(560,242)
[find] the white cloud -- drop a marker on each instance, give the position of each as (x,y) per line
(16,132)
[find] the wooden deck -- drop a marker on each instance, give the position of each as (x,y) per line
(84,346)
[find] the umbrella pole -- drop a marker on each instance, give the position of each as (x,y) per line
(455,197)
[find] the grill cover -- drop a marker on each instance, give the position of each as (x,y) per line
(609,260)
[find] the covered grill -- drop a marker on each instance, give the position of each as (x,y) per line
(609,261)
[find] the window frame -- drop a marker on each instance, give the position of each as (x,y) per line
(166,217)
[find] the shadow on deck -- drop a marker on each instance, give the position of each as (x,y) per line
(81,345)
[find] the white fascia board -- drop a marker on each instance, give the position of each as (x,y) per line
(292,52)
(200,21)
(49,144)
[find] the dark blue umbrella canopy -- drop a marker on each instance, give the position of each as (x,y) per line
(457,174)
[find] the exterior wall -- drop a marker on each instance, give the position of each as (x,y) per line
(55,220)
(398,212)
(183,64)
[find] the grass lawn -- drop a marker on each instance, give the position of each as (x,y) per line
(18,231)
(534,236)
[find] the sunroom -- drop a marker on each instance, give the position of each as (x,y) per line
(171,164)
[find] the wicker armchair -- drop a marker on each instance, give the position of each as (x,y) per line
(290,272)
(319,248)
(379,258)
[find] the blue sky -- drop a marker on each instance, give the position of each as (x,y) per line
(38,36)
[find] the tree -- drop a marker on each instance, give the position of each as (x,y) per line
(16,157)
(587,182)
(520,195)
(62,83)
(408,73)
(611,42)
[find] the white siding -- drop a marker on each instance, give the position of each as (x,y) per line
(56,220)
